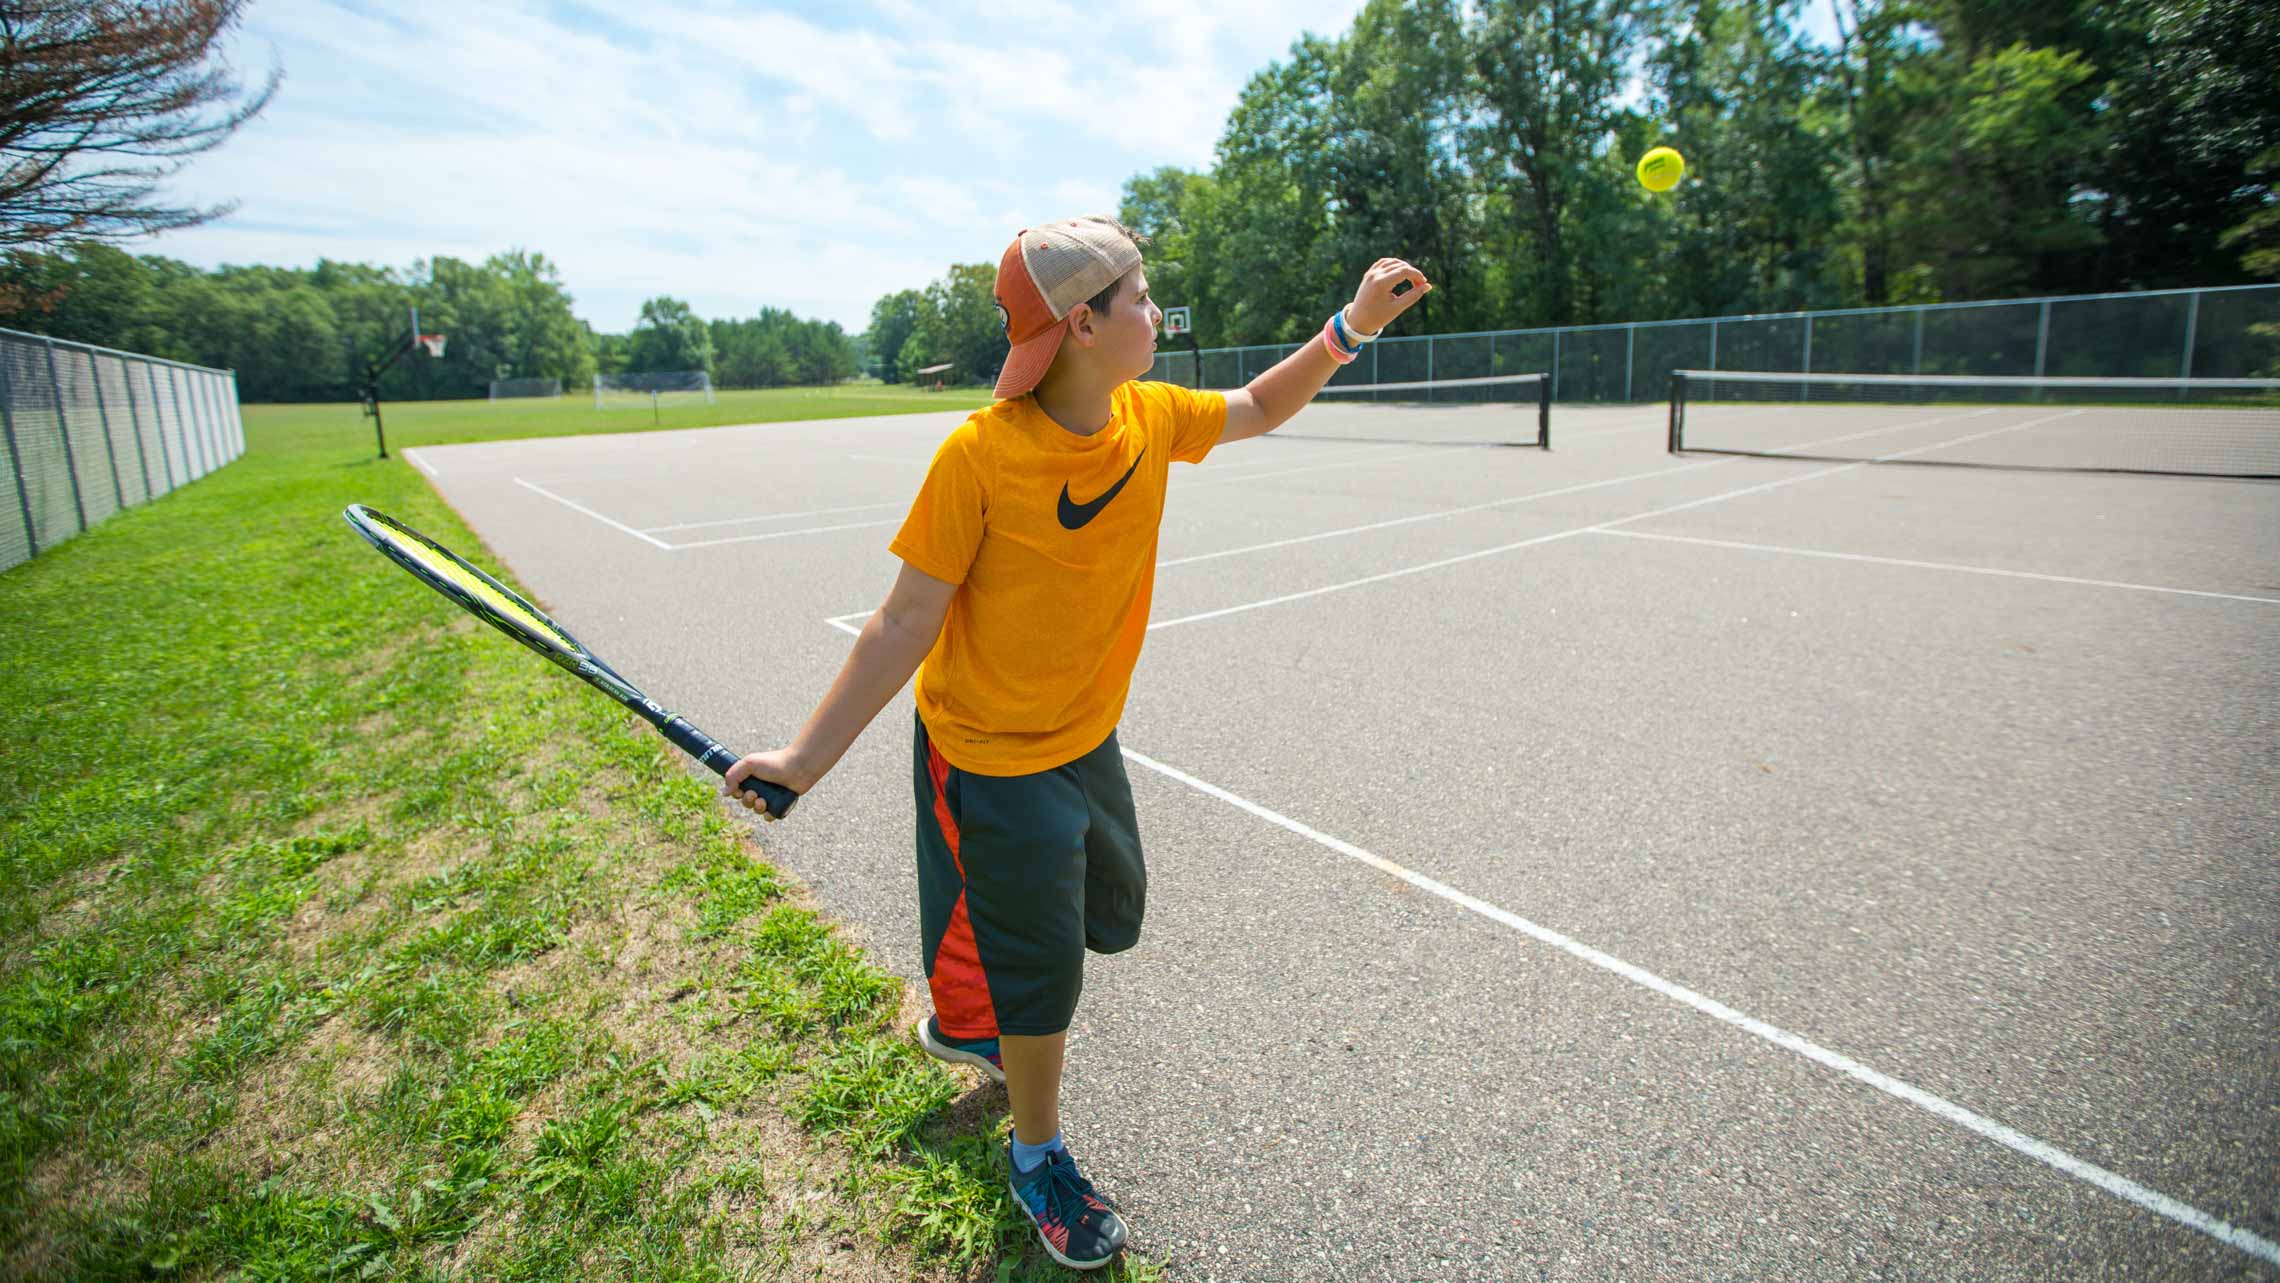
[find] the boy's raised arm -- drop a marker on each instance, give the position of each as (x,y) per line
(1271,399)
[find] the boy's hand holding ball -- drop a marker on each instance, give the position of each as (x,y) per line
(1381,298)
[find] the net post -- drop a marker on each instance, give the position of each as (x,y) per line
(1677,399)
(1544,412)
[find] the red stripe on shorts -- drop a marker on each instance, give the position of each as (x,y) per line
(961,991)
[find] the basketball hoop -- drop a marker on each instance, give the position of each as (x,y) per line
(433,343)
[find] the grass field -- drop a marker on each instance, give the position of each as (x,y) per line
(345,939)
(416,423)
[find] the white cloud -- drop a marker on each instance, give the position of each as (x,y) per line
(733,157)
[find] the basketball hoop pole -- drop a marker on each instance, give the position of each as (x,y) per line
(372,372)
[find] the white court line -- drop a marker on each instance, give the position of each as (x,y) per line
(1531,496)
(770,516)
(1435,515)
(1604,525)
(2019,1142)
(1489,552)
(577,507)
(417,462)
(785,534)
(2119,1186)
(1932,565)
(891,458)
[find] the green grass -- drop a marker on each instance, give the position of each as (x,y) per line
(417,423)
(341,938)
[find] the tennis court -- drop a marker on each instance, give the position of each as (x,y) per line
(1585,861)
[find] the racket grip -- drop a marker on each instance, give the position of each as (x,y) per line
(708,750)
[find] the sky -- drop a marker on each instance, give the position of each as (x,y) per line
(737,156)
(812,156)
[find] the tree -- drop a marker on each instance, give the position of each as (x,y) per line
(1396,183)
(892,320)
(547,341)
(1168,209)
(668,337)
(2195,102)
(1550,73)
(1753,231)
(1264,252)
(958,322)
(101,101)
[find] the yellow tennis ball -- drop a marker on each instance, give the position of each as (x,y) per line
(1660,169)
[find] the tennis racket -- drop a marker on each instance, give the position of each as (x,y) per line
(501,607)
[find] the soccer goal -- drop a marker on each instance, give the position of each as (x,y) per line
(665,387)
(501,389)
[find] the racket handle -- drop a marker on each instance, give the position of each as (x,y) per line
(708,750)
(776,797)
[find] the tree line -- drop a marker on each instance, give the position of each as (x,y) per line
(1936,151)
(307,334)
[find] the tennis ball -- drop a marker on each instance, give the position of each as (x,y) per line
(1660,169)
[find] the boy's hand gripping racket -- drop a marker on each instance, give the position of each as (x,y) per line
(493,602)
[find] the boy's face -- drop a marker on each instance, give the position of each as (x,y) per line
(1124,340)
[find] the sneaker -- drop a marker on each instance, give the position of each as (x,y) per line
(1078,1229)
(981,1053)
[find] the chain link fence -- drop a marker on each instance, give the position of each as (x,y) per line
(89,431)
(2227,332)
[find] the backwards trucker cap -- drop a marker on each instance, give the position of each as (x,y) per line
(1045,273)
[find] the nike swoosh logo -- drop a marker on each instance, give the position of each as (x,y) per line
(1075,515)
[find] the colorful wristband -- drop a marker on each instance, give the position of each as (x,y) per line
(1352,333)
(1339,352)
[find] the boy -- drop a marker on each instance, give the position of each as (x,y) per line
(1028,561)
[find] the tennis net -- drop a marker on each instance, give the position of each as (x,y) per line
(2193,427)
(1502,410)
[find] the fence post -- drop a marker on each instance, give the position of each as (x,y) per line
(16,459)
(63,434)
(2192,334)
(1713,344)
(1428,358)
(2042,337)
(1805,390)
(103,416)
(1918,366)
(134,424)
(1630,356)
(1555,365)
(181,420)
(150,376)
(213,407)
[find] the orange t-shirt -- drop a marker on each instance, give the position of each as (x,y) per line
(1051,538)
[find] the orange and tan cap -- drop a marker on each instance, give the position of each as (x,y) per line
(1045,273)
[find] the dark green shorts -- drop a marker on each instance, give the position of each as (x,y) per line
(1018,875)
